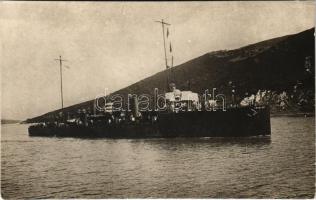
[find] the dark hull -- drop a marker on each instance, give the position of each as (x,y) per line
(238,122)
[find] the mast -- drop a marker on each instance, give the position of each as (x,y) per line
(172,71)
(164,40)
(163,24)
(61,80)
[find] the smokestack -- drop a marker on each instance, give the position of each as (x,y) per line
(135,109)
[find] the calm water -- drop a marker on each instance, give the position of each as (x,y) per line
(281,167)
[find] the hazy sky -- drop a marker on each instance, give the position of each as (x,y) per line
(113,44)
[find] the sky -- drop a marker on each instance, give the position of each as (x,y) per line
(114,44)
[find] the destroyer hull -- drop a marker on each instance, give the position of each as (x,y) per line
(241,122)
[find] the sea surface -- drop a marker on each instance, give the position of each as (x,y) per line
(279,167)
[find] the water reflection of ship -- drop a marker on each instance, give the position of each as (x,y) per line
(257,142)
(186,114)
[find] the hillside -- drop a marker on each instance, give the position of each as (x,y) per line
(276,64)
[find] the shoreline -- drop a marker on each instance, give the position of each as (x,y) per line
(309,114)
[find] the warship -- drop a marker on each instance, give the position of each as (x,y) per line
(180,114)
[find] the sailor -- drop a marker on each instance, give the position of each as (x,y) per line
(154,118)
(172,87)
(132,118)
(212,104)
